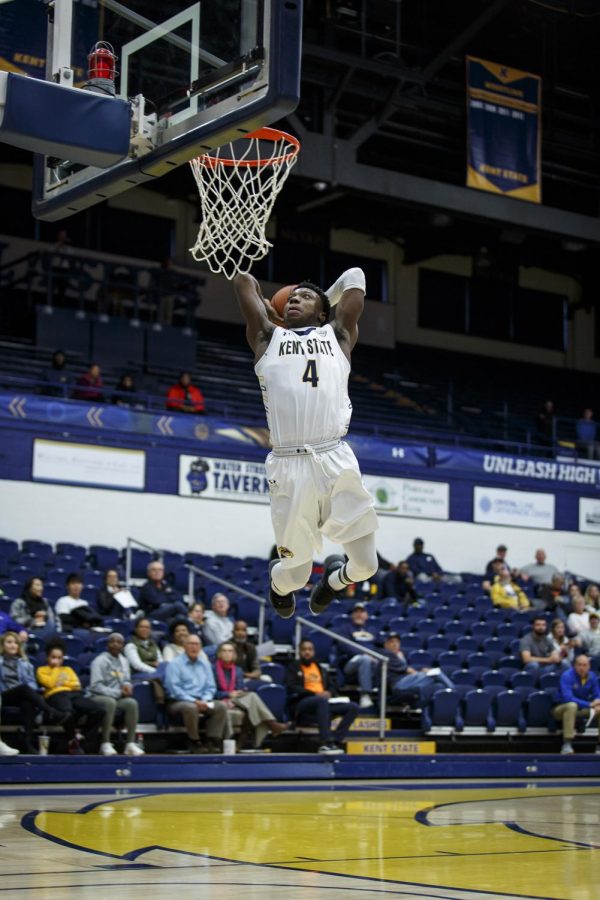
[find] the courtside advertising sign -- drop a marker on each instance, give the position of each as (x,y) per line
(86,464)
(523,509)
(211,478)
(409,497)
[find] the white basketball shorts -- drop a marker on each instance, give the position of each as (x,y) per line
(314,495)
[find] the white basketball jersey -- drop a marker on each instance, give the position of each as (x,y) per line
(303,376)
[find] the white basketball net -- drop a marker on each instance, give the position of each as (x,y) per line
(237,194)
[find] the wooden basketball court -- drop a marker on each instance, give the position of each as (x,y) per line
(442,839)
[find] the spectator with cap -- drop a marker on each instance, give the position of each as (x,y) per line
(218,624)
(403,679)
(538,650)
(158,599)
(111,687)
(540,571)
(354,663)
(577,697)
(424,566)
(492,566)
(506,593)
(589,640)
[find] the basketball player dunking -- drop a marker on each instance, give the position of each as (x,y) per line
(303,364)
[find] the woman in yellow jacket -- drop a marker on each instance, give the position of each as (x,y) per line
(506,594)
(62,690)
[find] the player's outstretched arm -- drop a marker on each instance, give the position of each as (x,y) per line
(256,311)
(347,295)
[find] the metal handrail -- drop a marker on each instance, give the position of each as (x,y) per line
(299,621)
(365,651)
(233,587)
(130,541)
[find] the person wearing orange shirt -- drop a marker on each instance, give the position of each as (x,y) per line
(62,690)
(309,699)
(185,397)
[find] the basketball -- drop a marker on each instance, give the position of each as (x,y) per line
(280,298)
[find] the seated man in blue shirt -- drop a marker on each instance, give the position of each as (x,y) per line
(191,688)
(424,566)
(587,445)
(578,696)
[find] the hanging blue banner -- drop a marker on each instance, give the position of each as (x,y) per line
(504,130)
(541,474)
(23,26)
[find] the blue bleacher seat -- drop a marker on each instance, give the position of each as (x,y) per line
(71,549)
(509,662)
(466,645)
(549,681)
(411,642)
(399,624)
(140,559)
(507,710)
(275,670)
(438,643)
(494,647)
(496,615)
(275,696)
(442,709)
(478,661)
(507,631)
(426,627)
(483,604)
(420,659)
(8,547)
(449,660)
(476,709)
(538,711)
(513,648)
(104,558)
(32,546)
(464,676)
(482,630)
(491,678)
(247,609)
(73,645)
(143,692)
(454,629)
(282,630)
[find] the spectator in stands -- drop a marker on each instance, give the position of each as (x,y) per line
(578,697)
(399,583)
(506,593)
(125,393)
(185,397)
(142,652)
(560,640)
(111,687)
(555,596)
(540,571)
(538,651)
(579,619)
(89,386)
(354,663)
(218,625)
(32,611)
(544,424)
(423,566)
(403,679)
(72,610)
(191,689)
(62,690)
(592,597)
(57,379)
(196,619)
(157,598)
(590,639)
(310,699)
(114,599)
(18,687)
(229,679)
(491,570)
(247,656)
(179,632)
(587,445)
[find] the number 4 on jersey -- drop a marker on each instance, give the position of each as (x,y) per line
(310,373)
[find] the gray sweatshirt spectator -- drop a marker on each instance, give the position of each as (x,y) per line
(540,571)
(109,674)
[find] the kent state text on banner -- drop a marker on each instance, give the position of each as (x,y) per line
(503,130)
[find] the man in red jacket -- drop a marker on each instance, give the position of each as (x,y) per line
(185,397)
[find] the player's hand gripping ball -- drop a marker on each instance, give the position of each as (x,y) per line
(280,298)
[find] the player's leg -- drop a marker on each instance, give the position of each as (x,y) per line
(284,581)
(361,564)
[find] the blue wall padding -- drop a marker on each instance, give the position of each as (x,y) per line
(68,123)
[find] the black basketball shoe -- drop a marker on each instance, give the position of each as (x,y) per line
(322,594)
(284,606)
